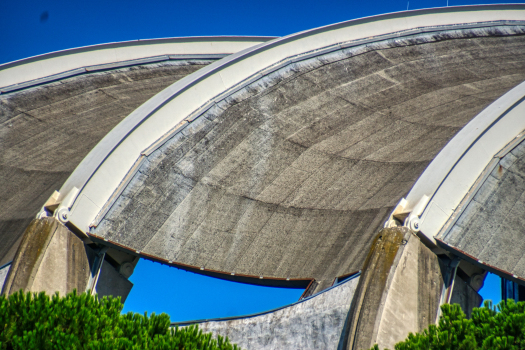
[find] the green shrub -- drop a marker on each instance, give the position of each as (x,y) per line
(487,329)
(35,321)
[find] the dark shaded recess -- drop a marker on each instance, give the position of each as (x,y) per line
(292,176)
(45,132)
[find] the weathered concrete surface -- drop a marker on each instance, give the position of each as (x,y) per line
(491,228)
(47,130)
(315,323)
(399,291)
(50,258)
(413,297)
(293,175)
(374,283)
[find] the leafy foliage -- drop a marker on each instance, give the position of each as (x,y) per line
(35,321)
(487,329)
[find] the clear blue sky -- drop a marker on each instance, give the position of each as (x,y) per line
(30,27)
(26,31)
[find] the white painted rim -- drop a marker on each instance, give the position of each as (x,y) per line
(58,62)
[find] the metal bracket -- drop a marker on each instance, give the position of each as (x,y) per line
(410,218)
(58,208)
(412,221)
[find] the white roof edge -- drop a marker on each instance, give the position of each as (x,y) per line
(137,42)
(57,62)
(107,164)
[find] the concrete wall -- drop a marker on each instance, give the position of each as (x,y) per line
(53,259)
(413,297)
(464,295)
(111,282)
(292,176)
(314,323)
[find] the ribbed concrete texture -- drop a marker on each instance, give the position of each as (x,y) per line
(491,228)
(293,175)
(47,130)
(399,292)
(315,323)
(51,259)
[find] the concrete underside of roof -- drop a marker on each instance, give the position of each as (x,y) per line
(45,132)
(293,175)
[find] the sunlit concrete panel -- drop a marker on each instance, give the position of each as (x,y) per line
(314,323)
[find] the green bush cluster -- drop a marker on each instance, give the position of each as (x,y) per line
(36,321)
(486,329)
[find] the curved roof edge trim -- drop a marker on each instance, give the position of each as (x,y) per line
(54,63)
(103,169)
(476,262)
(453,172)
(108,66)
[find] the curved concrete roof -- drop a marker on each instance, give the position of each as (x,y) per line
(227,75)
(48,125)
(295,326)
(282,161)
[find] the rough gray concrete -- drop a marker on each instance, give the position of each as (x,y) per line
(293,175)
(315,323)
(51,259)
(492,226)
(45,132)
(413,296)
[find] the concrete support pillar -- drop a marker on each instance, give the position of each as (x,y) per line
(51,258)
(399,291)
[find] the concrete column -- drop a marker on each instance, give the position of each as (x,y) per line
(399,291)
(50,258)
